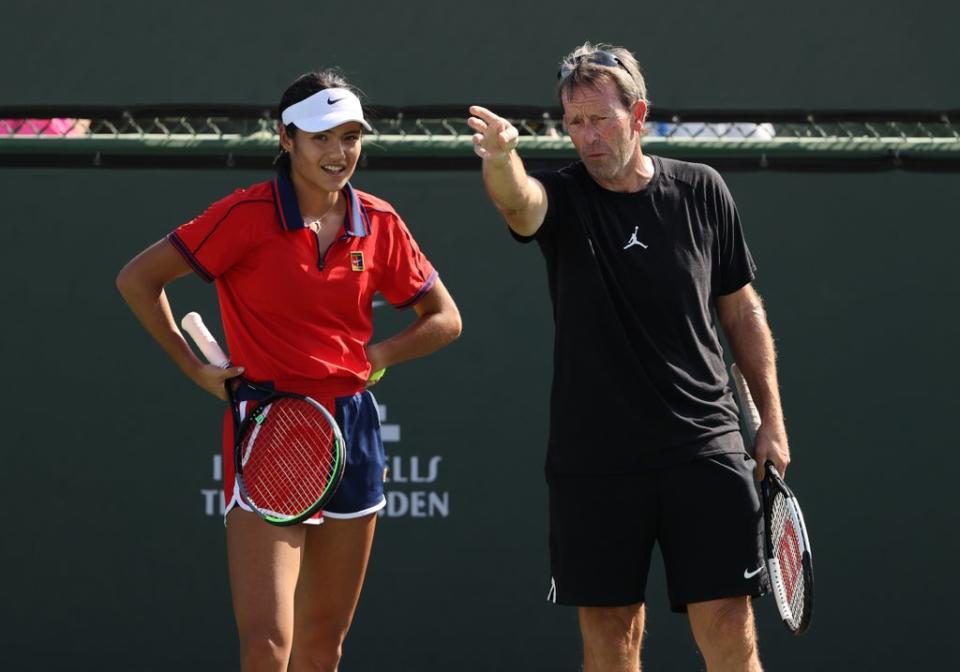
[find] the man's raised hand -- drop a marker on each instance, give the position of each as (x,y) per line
(495,137)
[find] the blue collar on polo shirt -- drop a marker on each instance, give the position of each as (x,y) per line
(288,210)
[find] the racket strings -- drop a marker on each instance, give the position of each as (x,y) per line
(289,471)
(290,457)
(788,549)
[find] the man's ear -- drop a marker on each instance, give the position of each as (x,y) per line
(638,115)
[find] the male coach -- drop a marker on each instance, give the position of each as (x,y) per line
(643,255)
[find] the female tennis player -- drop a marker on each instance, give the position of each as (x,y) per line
(296,262)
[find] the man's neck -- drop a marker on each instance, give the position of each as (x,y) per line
(635,176)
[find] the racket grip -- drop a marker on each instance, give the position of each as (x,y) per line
(747,403)
(193,324)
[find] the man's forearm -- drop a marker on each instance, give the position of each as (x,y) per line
(506,181)
(519,198)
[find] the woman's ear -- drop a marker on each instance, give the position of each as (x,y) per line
(286,142)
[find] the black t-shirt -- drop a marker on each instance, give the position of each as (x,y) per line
(639,379)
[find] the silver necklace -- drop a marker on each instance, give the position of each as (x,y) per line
(315,222)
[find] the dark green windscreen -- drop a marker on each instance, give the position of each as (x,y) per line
(113,553)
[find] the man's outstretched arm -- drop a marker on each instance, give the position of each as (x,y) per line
(521,199)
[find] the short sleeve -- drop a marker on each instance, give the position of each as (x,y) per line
(734,266)
(408,274)
(552,182)
(217,239)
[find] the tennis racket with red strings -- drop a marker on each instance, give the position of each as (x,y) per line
(288,450)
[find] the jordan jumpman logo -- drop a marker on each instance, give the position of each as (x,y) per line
(633,240)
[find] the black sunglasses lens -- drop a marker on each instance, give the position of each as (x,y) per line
(604,58)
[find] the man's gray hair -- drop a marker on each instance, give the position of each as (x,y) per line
(580,68)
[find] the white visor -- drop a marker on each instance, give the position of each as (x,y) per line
(324,110)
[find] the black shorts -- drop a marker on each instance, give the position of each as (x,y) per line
(705,515)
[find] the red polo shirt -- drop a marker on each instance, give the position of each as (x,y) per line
(293,316)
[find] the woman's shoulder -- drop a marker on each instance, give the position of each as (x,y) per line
(251,200)
(260,192)
(373,203)
(247,207)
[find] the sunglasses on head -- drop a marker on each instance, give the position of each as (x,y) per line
(596,57)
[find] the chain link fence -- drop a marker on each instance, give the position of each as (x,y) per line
(438,138)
